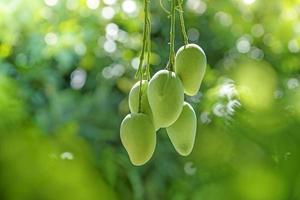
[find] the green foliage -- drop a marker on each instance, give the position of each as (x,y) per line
(67,66)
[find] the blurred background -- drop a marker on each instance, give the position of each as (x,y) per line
(66,68)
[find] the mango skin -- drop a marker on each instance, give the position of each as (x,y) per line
(190,66)
(138,137)
(183,132)
(165,95)
(134,100)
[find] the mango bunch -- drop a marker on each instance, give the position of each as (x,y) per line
(159,103)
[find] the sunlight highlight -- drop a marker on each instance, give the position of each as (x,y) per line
(248,2)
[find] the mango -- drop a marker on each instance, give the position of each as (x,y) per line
(134,100)
(183,132)
(138,136)
(165,95)
(190,66)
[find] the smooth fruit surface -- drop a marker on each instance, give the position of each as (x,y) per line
(165,95)
(190,66)
(138,137)
(134,98)
(183,132)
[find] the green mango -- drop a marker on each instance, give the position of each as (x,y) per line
(138,136)
(134,100)
(190,66)
(165,95)
(183,132)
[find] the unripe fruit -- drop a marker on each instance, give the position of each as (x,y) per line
(134,100)
(190,66)
(165,95)
(138,137)
(183,132)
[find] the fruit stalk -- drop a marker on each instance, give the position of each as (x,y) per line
(172,37)
(146,44)
(182,25)
(163,7)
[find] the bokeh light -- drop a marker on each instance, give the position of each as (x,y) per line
(129,6)
(92,4)
(67,66)
(248,1)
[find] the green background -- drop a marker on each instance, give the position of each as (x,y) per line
(66,68)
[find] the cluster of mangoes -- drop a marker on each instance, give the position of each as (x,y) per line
(163,106)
